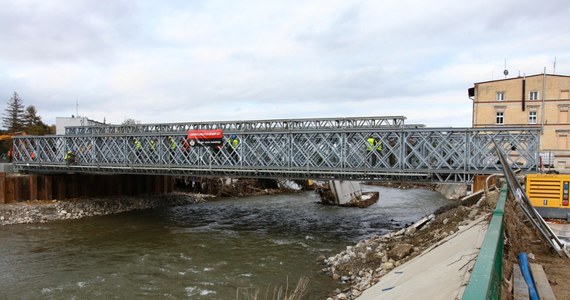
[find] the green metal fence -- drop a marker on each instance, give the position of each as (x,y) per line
(486,277)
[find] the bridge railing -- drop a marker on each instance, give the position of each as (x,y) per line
(403,153)
(486,278)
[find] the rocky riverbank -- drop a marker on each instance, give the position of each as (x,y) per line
(189,191)
(46,211)
(362,265)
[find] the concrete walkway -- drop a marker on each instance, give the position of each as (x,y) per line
(440,272)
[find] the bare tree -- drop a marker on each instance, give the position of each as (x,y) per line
(130,121)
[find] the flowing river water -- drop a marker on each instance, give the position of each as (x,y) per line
(223,249)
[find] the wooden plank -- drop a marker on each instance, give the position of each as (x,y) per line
(17,188)
(2,188)
(479,183)
(520,288)
(33,186)
(48,189)
(541,282)
(10,198)
(60,184)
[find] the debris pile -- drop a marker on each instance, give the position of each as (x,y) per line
(234,187)
(362,265)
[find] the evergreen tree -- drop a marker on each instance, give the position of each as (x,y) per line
(33,123)
(13,115)
(31,117)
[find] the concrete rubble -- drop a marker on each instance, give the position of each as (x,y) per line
(361,266)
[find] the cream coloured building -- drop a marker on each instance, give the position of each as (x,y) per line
(540,100)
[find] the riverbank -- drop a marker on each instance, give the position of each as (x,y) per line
(363,265)
(46,211)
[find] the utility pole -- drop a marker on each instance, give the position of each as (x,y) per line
(543,96)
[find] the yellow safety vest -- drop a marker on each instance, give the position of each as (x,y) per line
(371,143)
(234,143)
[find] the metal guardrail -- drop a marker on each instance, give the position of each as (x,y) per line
(486,277)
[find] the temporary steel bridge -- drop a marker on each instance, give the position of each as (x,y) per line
(329,148)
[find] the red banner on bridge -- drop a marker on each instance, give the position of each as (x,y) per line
(205,137)
(197,134)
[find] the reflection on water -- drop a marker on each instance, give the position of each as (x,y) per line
(201,251)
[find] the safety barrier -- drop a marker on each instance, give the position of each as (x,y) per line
(487,274)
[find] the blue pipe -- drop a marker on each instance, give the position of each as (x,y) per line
(523,262)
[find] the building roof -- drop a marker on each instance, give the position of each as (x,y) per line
(526,76)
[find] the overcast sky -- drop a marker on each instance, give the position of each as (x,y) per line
(193,60)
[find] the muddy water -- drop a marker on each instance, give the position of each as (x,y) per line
(223,249)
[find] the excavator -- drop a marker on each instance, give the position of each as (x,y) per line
(9,136)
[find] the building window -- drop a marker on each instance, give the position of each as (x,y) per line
(533,95)
(500,118)
(532,117)
(563,113)
(563,142)
(500,96)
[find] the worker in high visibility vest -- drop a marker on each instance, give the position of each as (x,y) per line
(185,148)
(370,153)
(233,143)
(69,157)
(152,148)
(138,148)
(379,147)
(173,147)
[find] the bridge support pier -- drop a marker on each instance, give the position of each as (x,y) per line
(17,187)
(345,191)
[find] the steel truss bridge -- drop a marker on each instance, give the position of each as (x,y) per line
(325,149)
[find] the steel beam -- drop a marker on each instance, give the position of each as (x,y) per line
(408,153)
(244,126)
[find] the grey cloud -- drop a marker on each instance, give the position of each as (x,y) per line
(64,30)
(339,35)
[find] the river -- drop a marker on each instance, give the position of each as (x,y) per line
(227,248)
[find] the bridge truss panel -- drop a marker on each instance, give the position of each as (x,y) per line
(245,126)
(401,154)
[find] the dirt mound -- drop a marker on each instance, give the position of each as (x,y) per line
(521,236)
